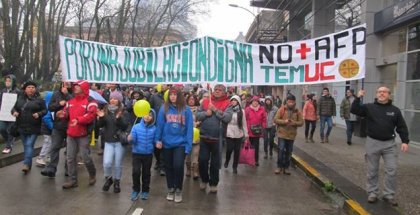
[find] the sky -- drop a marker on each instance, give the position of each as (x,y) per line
(226,22)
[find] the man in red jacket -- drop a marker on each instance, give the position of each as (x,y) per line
(80,112)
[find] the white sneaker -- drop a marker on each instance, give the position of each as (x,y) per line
(178,196)
(40,162)
(203,185)
(171,195)
(213,189)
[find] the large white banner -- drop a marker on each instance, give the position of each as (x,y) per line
(331,58)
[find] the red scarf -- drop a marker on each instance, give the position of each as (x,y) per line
(220,103)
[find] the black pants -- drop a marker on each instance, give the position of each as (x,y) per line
(141,168)
(233,145)
(269,135)
(255,142)
(308,124)
(57,143)
(160,163)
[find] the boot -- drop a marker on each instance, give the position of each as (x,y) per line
(117,188)
(326,139)
(108,183)
(196,175)
(92,180)
(69,184)
(188,173)
(25,169)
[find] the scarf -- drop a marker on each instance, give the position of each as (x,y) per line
(255,108)
(112,108)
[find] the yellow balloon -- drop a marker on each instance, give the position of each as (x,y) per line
(166,95)
(141,108)
(196,137)
(159,88)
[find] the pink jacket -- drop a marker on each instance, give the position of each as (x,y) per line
(309,112)
(253,117)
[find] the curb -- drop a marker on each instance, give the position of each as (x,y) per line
(350,206)
(16,158)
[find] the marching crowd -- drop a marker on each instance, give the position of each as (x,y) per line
(69,116)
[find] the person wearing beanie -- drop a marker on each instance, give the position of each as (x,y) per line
(236,132)
(326,111)
(9,87)
(256,118)
(288,118)
(116,95)
(113,119)
(29,110)
(310,117)
(270,130)
(79,112)
(346,115)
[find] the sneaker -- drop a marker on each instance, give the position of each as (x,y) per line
(48,173)
(372,199)
(322,140)
(134,196)
(162,172)
(69,185)
(40,162)
(265,156)
(349,143)
(213,189)
(7,150)
(145,195)
(326,140)
(203,185)
(235,171)
(257,164)
(178,196)
(391,201)
(226,165)
(277,171)
(171,194)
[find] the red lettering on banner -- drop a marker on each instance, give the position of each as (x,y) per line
(322,67)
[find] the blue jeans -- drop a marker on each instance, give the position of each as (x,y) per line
(174,159)
(113,152)
(28,148)
(285,153)
(349,129)
(209,152)
(4,131)
(323,120)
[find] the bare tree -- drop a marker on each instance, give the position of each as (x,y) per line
(349,14)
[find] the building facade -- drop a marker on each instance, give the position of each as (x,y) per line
(392,47)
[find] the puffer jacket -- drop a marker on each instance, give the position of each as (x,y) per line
(47,120)
(82,109)
(144,137)
(309,112)
(253,117)
(26,107)
(233,130)
(288,130)
(326,106)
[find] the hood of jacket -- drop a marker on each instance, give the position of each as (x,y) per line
(84,85)
(153,118)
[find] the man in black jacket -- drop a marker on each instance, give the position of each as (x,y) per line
(58,135)
(383,119)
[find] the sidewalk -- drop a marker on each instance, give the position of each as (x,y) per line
(17,152)
(345,166)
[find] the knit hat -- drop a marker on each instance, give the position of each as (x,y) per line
(256,98)
(291,97)
(116,95)
(28,83)
(236,98)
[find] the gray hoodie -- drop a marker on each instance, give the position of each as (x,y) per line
(271,113)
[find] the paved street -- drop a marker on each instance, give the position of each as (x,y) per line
(252,191)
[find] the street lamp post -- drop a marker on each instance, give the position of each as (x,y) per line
(255,16)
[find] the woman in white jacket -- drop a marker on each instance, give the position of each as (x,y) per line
(236,132)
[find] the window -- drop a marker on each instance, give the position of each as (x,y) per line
(412,119)
(413,66)
(412,101)
(414,37)
(394,42)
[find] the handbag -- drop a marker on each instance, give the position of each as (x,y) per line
(256,129)
(123,137)
(247,154)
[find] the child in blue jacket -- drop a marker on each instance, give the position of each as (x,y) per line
(143,139)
